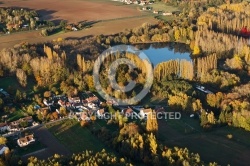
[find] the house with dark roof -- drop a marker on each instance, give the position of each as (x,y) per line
(127,112)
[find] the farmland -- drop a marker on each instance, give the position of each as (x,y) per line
(110,17)
(74,10)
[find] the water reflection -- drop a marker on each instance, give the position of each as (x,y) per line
(161,52)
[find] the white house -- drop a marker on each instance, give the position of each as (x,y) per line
(48,103)
(92,105)
(84,116)
(74,29)
(144,112)
(166,14)
(24,141)
(100,112)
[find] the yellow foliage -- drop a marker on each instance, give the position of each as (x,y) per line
(60,39)
(196,50)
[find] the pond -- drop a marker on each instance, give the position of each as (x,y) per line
(162,52)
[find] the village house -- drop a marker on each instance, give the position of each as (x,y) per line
(127,112)
(92,105)
(15,125)
(62,103)
(84,102)
(135,2)
(26,140)
(74,99)
(74,29)
(48,102)
(77,105)
(144,112)
(84,116)
(111,102)
(166,13)
(100,112)
(92,99)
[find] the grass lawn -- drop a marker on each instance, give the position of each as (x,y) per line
(30,148)
(212,146)
(75,137)
(15,115)
(163,7)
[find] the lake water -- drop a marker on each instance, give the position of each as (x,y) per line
(162,52)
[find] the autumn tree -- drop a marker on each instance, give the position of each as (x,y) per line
(3,140)
(152,124)
(22,77)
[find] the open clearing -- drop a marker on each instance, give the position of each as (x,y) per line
(74,137)
(212,146)
(50,142)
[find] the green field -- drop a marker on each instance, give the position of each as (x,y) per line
(163,7)
(30,148)
(212,146)
(75,137)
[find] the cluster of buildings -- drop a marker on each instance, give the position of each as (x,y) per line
(138,2)
(82,106)
(17,125)
(86,105)
(146,6)
(138,111)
